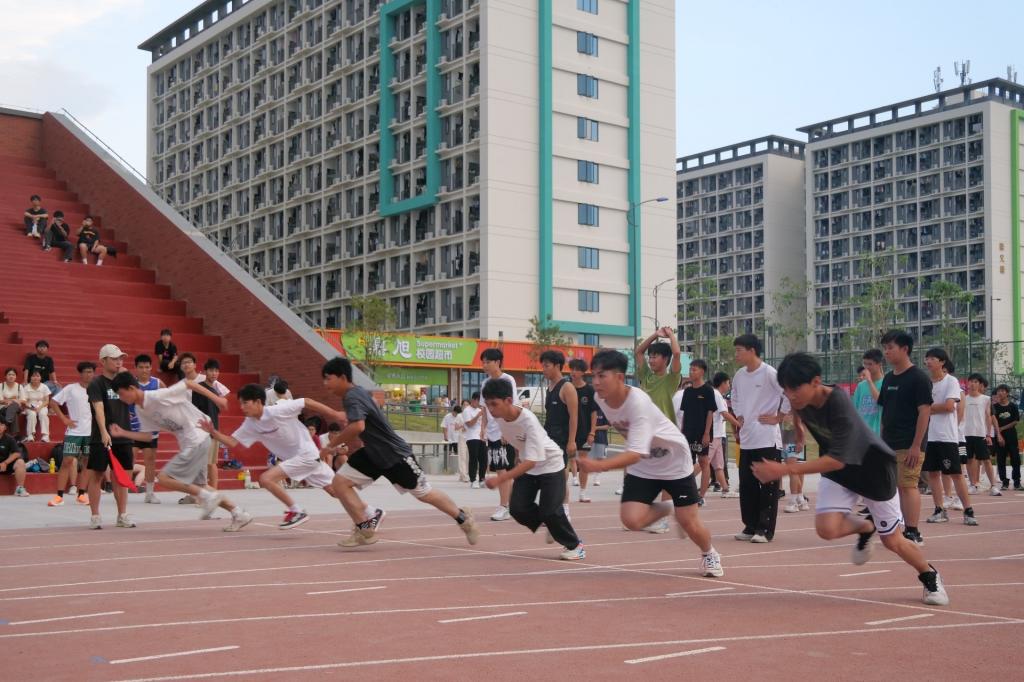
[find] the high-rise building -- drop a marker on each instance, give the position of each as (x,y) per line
(473,163)
(905,196)
(740,245)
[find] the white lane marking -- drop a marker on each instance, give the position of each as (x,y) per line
(351,589)
(853,575)
(52,620)
(692,652)
(567,649)
(173,655)
(1008,556)
(898,620)
(713,589)
(496,615)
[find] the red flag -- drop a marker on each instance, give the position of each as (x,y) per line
(121,477)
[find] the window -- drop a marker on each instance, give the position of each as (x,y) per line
(586,85)
(586,43)
(589,214)
(590,339)
(587,6)
(587,171)
(590,301)
(587,129)
(471,380)
(589,258)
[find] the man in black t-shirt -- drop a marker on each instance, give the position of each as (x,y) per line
(698,407)
(377,451)
(906,398)
(11,461)
(854,464)
(107,410)
(35,218)
(1007,415)
(41,362)
(585,422)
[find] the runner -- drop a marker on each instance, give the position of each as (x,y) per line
(854,463)
(383,453)
(171,410)
(78,429)
(656,459)
(540,470)
(278,428)
(500,454)
(147,382)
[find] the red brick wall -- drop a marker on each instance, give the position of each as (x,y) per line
(265,343)
(20,136)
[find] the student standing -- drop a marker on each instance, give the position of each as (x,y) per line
(978,424)
(539,471)
(854,464)
(656,459)
(1007,416)
(659,369)
(906,399)
(719,440)
(107,411)
(500,454)
(698,405)
(472,417)
(865,396)
(78,423)
(759,404)
(561,411)
(451,438)
(147,382)
(585,423)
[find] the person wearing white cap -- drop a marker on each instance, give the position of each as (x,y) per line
(108,410)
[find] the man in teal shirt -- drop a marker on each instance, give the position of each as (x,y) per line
(865,397)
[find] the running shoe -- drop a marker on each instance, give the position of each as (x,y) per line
(994,491)
(474,484)
(374,522)
(728,494)
(575,480)
(293,518)
(863,549)
(151,498)
(711,565)
(934,593)
(973,489)
(20,491)
(56,501)
(658,527)
(955,504)
(940,516)
(83,499)
(946,501)
(597,480)
(187,499)
(744,536)
(359,537)
(574,554)
(618,491)
(791,508)
(239,520)
(584,497)
(700,501)
(468,526)
(501,514)
(805,504)
(95,523)
(914,536)
(970,520)
(209,505)
(124,521)
(759,538)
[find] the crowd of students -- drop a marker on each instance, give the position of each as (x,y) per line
(57,234)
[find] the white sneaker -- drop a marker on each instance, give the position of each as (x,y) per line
(973,489)
(759,538)
(474,484)
(938,517)
(937,596)
(743,536)
(658,527)
(124,521)
(711,565)
(95,523)
(574,554)
(209,505)
(946,502)
(791,508)
(597,479)
(501,514)
(863,548)
(575,480)
(994,492)
(73,491)
(956,504)
(584,497)
(805,504)
(238,522)
(618,491)
(728,494)
(21,492)
(151,498)
(469,527)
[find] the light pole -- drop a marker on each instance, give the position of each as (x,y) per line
(657,286)
(634,263)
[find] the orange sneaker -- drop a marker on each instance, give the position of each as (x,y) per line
(57,501)
(83,499)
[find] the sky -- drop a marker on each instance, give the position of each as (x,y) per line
(744,69)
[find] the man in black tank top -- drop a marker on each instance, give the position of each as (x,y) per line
(561,408)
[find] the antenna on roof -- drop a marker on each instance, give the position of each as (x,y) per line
(963,70)
(1011,73)
(937,79)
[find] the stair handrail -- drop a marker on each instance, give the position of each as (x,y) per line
(110,150)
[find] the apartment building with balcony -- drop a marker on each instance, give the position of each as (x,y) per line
(472,162)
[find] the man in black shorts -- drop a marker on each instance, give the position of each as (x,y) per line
(501,455)
(561,410)
(377,451)
(107,410)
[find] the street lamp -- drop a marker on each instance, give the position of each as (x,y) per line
(634,263)
(656,287)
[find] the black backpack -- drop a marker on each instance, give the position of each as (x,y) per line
(57,454)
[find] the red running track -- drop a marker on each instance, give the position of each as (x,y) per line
(266,604)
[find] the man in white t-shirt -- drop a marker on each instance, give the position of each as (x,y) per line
(716,453)
(278,428)
(759,405)
(171,410)
(540,470)
(450,434)
(657,458)
(502,456)
(978,427)
(78,429)
(36,395)
(472,418)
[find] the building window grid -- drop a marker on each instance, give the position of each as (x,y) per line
(589,258)
(586,43)
(587,6)
(589,301)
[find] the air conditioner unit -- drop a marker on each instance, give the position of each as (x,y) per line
(443,319)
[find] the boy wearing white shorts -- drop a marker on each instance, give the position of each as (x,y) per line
(171,410)
(854,464)
(278,428)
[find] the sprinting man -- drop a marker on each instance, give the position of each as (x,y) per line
(906,399)
(78,429)
(540,470)
(500,454)
(942,455)
(1007,416)
(585,423)
(190,372)
(865,396)
(278,428)
(854,464)
(108,411)
(171,410)
(978,425)
(382,453)
(561,410)
(657,459)
(147,382)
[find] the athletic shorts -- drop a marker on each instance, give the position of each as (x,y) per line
(406,475)
(189,466)
(833,497)
(977,448)
(151,445)
(907,477)
(599,451)
(312,471)
(99,461)
(501,457)
(716,454)
(646,490)
(942,457)
(961,450)
(78,447)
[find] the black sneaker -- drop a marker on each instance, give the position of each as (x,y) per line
(914,536)
(716,488)
(700,502)
(1018,486)
(373,523)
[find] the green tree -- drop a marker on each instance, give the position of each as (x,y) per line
(877,308)
(790,320)
(373,322)
(699,295)
(544,335)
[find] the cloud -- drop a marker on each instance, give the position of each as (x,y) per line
(29,26)
(43,84)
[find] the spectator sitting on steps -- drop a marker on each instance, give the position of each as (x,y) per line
(35,218)
(40,361)
(57,235)
(37,402)
(89,242)
(167,353)
(11,461)
(11,401)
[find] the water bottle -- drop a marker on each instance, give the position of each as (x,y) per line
(247,481)
(53,465)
